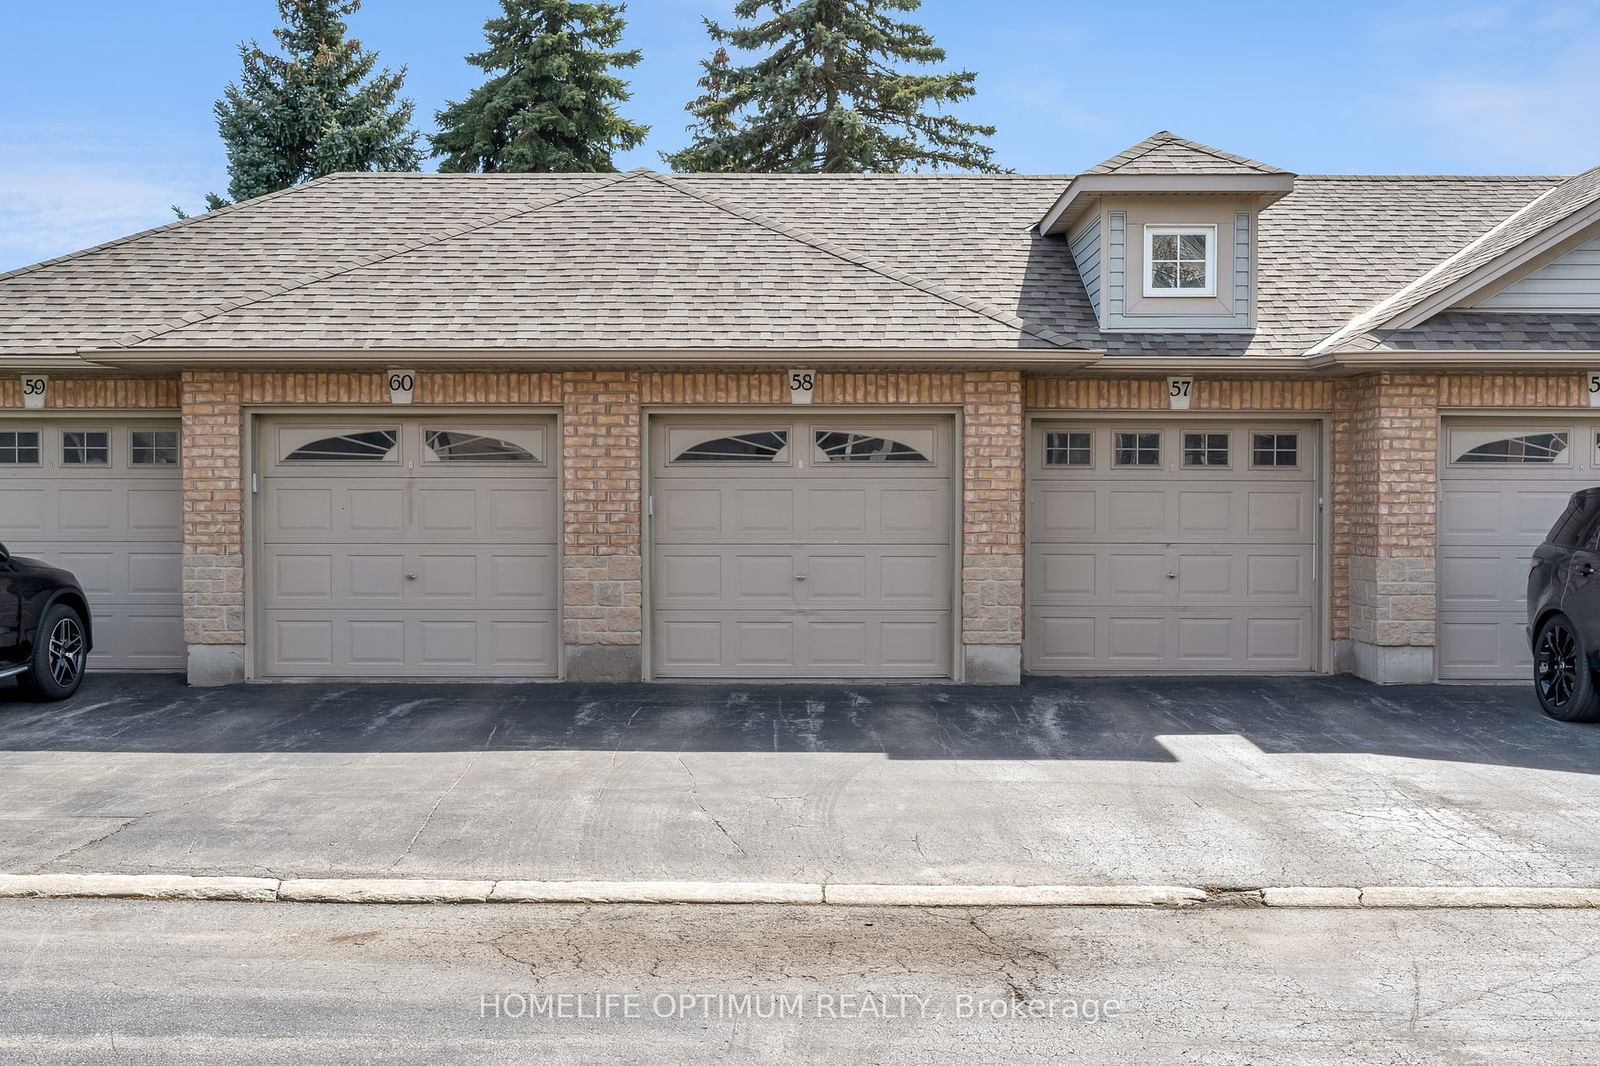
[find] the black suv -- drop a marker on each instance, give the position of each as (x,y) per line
(1564,612)
(44,627)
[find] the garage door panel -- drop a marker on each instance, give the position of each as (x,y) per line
(866,578)
(443,568)
(116,526)
(1195,639)
(1493,512)
(831,559)
(820,644)
(1171,566)
(410,642)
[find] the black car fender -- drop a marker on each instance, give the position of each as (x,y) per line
(34,610)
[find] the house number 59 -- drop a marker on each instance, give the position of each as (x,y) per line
(33,391)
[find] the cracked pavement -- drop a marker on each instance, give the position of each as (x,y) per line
(252,983)
(1214,782)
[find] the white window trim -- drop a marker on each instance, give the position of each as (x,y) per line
(1152,230)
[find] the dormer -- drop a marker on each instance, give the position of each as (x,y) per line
(1164,235)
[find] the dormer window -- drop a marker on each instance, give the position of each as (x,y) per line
(1180,260)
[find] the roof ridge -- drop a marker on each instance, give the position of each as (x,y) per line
(852,256)
(181,223)
(161,329)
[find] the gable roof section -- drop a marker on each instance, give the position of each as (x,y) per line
(1555,214)
(1165,152)
(95,297)
(635,261)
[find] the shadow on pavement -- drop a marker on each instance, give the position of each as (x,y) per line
(1101,718)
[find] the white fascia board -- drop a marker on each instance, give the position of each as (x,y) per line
(1269,187)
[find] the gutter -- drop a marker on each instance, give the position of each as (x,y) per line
(1335,364)
(1056,359)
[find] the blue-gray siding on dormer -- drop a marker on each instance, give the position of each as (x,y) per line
(1568,283)
(1116,316)
(1085,245)
(1116,263)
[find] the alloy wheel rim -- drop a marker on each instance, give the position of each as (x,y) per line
(1556,669)
(66,651)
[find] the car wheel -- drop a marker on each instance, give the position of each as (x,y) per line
(1561,675)
(59,652)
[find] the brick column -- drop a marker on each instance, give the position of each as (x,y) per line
(602,624)
(213,527)
(991,536)
(1386,479)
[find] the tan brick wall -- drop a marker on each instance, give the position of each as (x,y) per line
(601,455)
(213,509)
(992,520)
(1532,391)
(1386,499)
(95,393)
(1150,394)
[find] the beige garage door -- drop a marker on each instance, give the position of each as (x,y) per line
(1171,545)
(102,499)
(407,547)
(802,547)
(1502,484)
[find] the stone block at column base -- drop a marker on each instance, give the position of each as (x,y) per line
(604,662)
(216,664)
(1385,664)
(992,664)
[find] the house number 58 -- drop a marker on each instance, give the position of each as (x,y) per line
(801,385)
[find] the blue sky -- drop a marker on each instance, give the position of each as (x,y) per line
(105,105)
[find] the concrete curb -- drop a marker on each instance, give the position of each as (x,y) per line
(391,890)
(1011,895)
(138,886)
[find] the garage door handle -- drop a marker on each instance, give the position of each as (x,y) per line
(1172,573)
(799,577)
(1585,569)
(411,575)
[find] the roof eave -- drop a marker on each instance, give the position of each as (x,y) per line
(1087,188)
(1356,362)
(538,358)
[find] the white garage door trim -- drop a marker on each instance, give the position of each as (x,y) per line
(935,472)
(517,640)
(1493,511)
(131,570)
(1237,643)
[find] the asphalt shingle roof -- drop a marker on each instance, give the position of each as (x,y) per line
(708,261)
(1164,152)
(1554,205)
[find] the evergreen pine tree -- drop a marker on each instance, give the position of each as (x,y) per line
(552,104)
(825,94)
(316,109)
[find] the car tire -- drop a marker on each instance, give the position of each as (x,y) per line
(59,649)
(1562,679)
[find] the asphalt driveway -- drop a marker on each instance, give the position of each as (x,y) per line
(1240,782)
